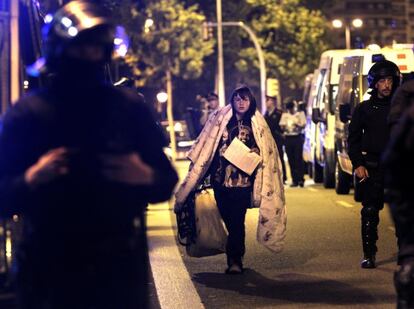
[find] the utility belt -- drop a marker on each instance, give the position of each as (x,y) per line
(372,160)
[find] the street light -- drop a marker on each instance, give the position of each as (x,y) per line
(149,22)
(162,97)
(260,54)
(356,23)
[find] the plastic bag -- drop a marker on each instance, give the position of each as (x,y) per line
(211,234)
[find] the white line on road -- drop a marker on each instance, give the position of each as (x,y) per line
(172,281)
(345,204)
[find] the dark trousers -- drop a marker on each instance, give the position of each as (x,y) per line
(294,150)
(108,275)
(279,144)
(232,204)
(372,203)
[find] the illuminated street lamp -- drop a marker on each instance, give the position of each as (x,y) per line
(162,97)
(356,23)
(149,22)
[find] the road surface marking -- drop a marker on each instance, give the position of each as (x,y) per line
(312,189)
(345,204)
(172,281)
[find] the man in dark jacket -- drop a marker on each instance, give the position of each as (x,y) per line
(272,116)
(401,101)
(398,162)
(79,161)
(368,136)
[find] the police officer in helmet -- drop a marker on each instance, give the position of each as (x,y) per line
(79,161)
(368,136)
(399,166)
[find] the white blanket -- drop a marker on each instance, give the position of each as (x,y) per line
(268,191)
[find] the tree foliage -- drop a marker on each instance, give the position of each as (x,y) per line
(173,41)
(292,37)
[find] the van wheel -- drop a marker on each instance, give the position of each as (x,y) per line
(317,172)
(358,190)
(328,176)
(342,180)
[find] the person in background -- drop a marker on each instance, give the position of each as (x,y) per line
(272,116)
(368,136)
(292,123)
(211,106)
(79,161)
(234,190)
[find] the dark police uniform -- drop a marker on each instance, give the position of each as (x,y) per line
(368,136)
(367,139)
(273,120)
(398,163)
(81,233)
(84,242)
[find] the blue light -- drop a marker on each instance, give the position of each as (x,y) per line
(121,41)
(48,18)
(36,68)
(66,22)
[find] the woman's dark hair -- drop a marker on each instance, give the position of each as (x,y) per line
(244,93)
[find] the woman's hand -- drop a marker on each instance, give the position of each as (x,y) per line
(256,150)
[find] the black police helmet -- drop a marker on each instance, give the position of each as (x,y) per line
(384,69)
(76,23)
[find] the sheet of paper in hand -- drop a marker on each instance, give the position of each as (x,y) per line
(242,157)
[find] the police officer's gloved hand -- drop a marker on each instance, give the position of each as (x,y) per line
(127,168)
(50,166)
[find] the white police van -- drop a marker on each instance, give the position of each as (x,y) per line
(353,88)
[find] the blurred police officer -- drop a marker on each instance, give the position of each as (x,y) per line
(368,136)
(292,123)
(399,166)
(401,101)
(272,116)
(79,161)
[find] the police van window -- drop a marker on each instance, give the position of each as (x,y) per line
(334,95)
(345,89)
(319,84)
(365,84)
(354,99)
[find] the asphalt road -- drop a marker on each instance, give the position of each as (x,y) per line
(319,267)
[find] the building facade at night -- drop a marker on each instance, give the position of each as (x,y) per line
(384,22)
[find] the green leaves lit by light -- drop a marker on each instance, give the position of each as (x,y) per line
(292,36)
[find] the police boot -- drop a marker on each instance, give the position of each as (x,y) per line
(369,234)
(404,285)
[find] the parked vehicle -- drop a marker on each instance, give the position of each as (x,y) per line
(353,87)
(182,137)
(308,98)
(323,114)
